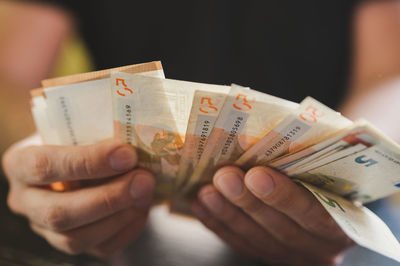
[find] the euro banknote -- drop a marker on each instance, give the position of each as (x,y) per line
(311,123)
(307,154)
(354,140)
(152,114)
(359,223)
(65,112)
(244,118)
(366,175)
(206,107)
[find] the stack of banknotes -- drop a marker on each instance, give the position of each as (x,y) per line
(184,131)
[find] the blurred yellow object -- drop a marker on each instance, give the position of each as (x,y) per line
(65,186)
(74,58)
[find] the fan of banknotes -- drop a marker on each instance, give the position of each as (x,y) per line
(184,131)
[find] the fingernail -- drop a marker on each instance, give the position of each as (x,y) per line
(122,159)
(230,184)
(212,201)
(141,190)
(260,182)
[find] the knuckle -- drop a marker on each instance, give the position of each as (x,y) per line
(55,218)
(81,166)
(110,201)
(41,167)
(88,167)
(12,203)
(70,245)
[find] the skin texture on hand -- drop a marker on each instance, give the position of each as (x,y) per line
(101,219)
(264,214)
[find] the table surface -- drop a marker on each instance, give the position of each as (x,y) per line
(167,240)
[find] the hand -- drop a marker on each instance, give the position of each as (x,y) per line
(100,220)
(266,215)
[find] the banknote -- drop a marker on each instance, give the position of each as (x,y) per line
(331,156)
(359,223)
(149,67)
(206,107)
(152,114)
(342,139)
(287,160)
(76,109)
(245,117)
(356,135)
(364,176)
(311,123)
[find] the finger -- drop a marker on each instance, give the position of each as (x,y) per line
(65,211)
(40,165)
(121,240)
(242,225)
(82,239)
(281,193)
(229,181)
(221,231)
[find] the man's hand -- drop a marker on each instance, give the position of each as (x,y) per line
(100,220)
(266,215)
